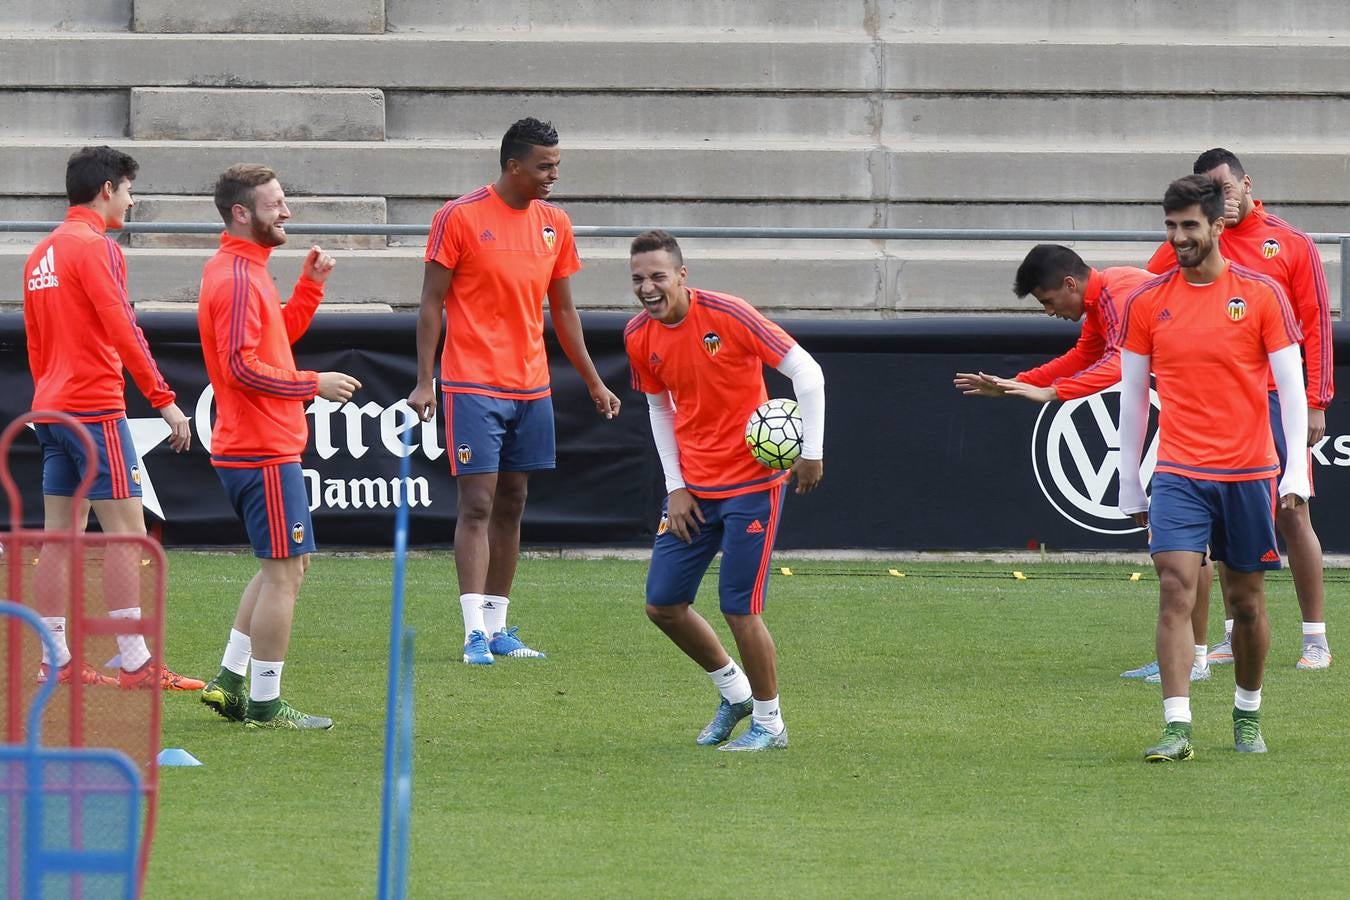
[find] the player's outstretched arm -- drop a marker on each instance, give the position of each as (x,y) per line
(436,280)
(567,326)
(978,384)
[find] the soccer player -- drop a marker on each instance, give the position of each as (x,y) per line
(492,257)
(1264,243)
(699,357)
(259,433)
(1069,289)
(1211,331)
(81,332)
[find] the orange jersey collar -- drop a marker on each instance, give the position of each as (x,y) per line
(1253,219)
(1096,283)
(247,249)
(87,216)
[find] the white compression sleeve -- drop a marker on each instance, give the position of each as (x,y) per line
(661,410)
(1133,428)
(808,384)
(1287,366)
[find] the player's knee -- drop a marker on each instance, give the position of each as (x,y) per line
(474,506)
(1294,523)
(666,615)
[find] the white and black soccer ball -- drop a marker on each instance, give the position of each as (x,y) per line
(774,433)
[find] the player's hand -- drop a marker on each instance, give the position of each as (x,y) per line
(683,514)
(978,384)
(1317,425)
(606,403)
(1140,519)
(1291,501)
(1232,206)
(1035,394)
(423,400)
(180,434)
(337,386)
(318,264)
(807,473)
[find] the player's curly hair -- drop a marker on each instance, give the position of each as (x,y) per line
(1045,268)
(89,168)
(656,239)
(1195,189)
(236,185)
(522,137)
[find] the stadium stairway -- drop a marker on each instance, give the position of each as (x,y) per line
(847,113)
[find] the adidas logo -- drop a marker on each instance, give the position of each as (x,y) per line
(655,360)
(487,235)
(1165,315)
(1270,556)
(488,604)
(44,274)
(755,527)
(270,673)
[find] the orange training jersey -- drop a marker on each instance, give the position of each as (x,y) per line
(1209,348)
(503,261)
(1094,362)
(1269,245)
(246,340)
(80,326)
(712,362)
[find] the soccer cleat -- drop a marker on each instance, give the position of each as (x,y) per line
(154,675)
(757,737)
(1247,731)
(1175,745)
(88,675)
(1221,654)
(505,643)
(1142,671)
(227,703)
(1315,656)
(723,721)
(1197,674)
(287,716)
(476,652)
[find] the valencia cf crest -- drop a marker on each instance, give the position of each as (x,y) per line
(1270,249)
(1237,308)
(712,342)
(664,525)
(136,474)
(298,533)
(463,453)
(550,236)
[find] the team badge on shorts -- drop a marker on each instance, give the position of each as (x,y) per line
(463,453)
(298,533)
(712,342)
(550,236)
(1237,308)
(136,474)
(664,525)
(1270,249)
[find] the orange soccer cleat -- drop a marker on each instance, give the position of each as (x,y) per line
(152,675)
(88,674)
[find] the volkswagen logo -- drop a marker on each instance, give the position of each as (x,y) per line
(1075,452)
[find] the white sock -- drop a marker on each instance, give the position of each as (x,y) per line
(1247,701)
(1201,657)
(266,683)
(56,627)
(1177,709)
(132,646)
(767,716)
(237,653)
(1315,633)
(494,613)
(731,682)
(1227,629)
(472,607)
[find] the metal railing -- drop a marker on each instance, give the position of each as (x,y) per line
(727,232)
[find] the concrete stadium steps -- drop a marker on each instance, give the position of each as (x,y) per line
(304,114)
(550,17)
(86,115)
(338,210)
(848,279)
(65,15)
(260,16)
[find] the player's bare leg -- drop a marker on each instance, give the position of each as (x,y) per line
(474,512)
(508,508)
(1178,574)
(1251,642)
(51,580)
(691,633)
(270,631)
(760,659)
(1305,564)
(1204,586)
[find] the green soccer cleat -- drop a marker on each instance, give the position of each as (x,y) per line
(1247,731)
(723,722)
(285,716)
(231,704)
(1175,745)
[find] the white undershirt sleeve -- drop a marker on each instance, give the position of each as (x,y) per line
(808,384)
(1133,428)
(1287,367)
(661,410)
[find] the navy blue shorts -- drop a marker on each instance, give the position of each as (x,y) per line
(493,434)
(274,505)
(744,528)
(1282,451)
(117,476)
(1235,519)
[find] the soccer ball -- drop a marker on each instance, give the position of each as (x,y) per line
(774,434)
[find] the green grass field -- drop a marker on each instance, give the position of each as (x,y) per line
(954,733)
